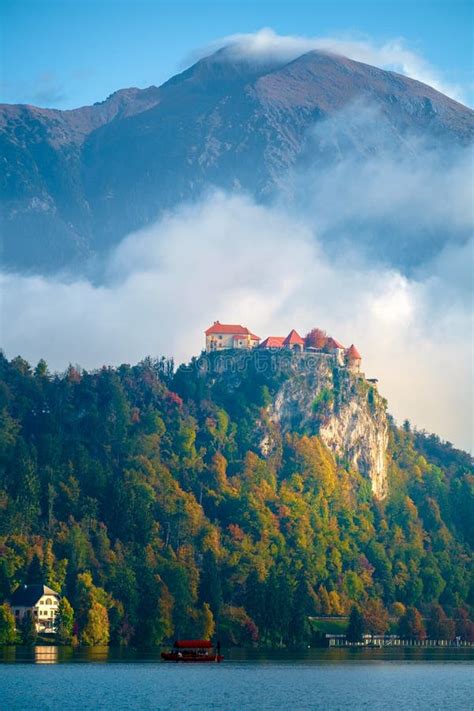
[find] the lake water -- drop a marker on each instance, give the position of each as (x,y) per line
(48,678)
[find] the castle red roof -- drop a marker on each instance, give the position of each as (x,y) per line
(234,329)
(273,342)
(332,344)
(293,338)
(353,354)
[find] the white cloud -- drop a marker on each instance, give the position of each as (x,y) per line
(393,55)
(230,259)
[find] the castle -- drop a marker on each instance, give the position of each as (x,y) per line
(225,336)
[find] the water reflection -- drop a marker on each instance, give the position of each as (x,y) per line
(46,655)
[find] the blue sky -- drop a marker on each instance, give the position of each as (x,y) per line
(70,53)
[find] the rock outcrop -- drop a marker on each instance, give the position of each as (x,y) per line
(341,407)
(311,393)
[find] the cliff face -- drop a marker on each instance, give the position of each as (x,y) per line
(341,407)
(313,394)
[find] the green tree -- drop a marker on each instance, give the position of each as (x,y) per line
(210,588)
(356,626)
(155,611)
(7,625)
(28,631)
(34,573)
(64,622)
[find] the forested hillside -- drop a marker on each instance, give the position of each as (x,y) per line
(141,494)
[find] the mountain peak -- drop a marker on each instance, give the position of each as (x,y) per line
(231,119)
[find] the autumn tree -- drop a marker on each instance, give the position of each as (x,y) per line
(96,630)
(92,613)
(376,618)
(439,626)
(464,625)
(411,625)
(316,338)
(208,624)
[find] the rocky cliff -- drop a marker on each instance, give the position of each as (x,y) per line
(312,393)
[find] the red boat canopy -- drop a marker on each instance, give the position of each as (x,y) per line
(193,644)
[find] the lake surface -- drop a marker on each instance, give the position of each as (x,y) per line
(50,678)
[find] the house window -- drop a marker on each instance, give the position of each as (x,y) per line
(48,602)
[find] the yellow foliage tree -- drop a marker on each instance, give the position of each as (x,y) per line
(96,630)
(208,623)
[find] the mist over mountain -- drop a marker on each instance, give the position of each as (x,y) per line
(268,184)
(76,182)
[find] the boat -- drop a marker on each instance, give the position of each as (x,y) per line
(193,650)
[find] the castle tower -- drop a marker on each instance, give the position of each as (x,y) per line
(353,359)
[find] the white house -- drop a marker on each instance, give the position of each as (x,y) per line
(40,602)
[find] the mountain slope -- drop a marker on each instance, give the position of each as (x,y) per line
(152,487)
(75,182)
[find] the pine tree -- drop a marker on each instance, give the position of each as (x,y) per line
(28,629)
(355,628)
(64,622)
(34,575)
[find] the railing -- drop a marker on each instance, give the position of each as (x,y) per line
(390,641)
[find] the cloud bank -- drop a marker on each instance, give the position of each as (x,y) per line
(393,55)
(230,259)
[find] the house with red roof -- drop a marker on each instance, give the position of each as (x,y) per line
(336,348)
(294,341)
(273,342)
(223,336)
